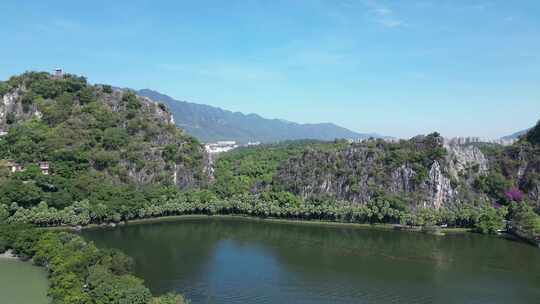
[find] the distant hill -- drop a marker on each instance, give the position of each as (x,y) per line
(516,135)
(210,124)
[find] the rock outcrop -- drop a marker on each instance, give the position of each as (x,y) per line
(147,147)
(422,170)
(12,109)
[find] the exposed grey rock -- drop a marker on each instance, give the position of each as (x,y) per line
(439,188)
(465,157)
(359,172)
(11,104)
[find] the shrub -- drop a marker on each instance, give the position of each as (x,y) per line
(525,219)
(131,100)
(514,194)
(533,136)
(10,118)
(4,88)
(107,89)
(27,100)
(170,298)
(491,220)
(86,95)
(114,138)
(105,159)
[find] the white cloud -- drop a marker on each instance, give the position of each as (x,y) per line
(382,14)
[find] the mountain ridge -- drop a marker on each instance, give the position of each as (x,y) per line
(210,123)
(516,135)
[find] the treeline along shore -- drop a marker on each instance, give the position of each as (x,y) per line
(76,154)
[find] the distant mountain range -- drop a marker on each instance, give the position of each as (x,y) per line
(515,135)
(210,124)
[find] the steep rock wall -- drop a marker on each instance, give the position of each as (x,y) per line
(415,170)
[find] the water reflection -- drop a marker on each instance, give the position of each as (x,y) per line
(240,261)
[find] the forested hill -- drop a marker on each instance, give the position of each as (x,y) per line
(209,123)
(458,184)
(422,171)
(116,156)
(98,142)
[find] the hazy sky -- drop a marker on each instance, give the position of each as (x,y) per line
(394,67)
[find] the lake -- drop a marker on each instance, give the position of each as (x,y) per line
(232,260)
(22,283)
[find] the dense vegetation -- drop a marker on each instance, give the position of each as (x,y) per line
(251,170)
(109,151)
(361,172)
(80,273)
(116,157)
(97,140)
(109,147)
(482,201)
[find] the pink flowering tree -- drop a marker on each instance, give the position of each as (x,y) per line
(514,194)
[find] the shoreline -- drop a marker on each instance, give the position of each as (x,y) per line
(8,255)
(173,218)
(382,227)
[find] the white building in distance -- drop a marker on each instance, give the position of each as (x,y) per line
(220,146)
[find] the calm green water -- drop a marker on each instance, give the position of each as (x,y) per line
(22,283)
(240,261)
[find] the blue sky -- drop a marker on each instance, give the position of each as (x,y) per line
(394,67)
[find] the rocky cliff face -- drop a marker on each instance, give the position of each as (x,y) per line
(11,109)
(421,170)
(465,157)
(188,167)
(522,164)
(130,138)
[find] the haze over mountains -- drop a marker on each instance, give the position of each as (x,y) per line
(515,135)
(210,124)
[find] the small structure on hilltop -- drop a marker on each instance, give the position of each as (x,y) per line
(44,166)
(14,166)
(58,73)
